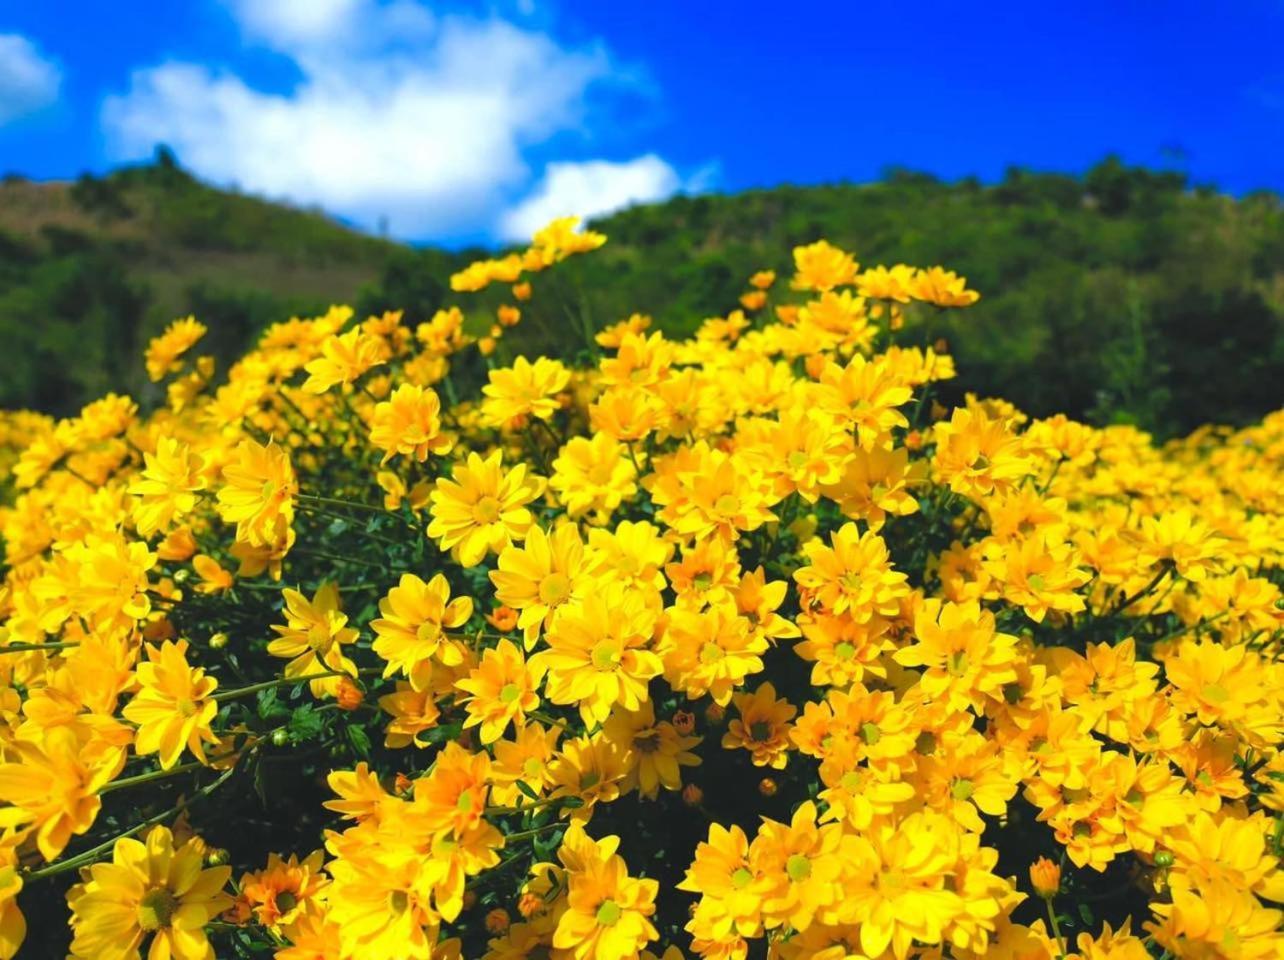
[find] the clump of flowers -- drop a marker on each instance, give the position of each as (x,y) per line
(747,644)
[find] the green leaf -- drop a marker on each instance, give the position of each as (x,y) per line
(523,786)
(360,740)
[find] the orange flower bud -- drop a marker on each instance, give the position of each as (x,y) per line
(503,619)
(684,722)
(692,795)
(470,899)
(714,714)
(914,440)
(508,315)
(529,904)
(486,345)
(767,787)
(402,784)
(497,920)
(521,291)
(348,695)
(942,345)
(763,279)
(815,364)
(1045,877)
(787,314)
(753,300)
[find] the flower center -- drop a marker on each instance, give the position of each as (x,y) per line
(962,790)
(608,913)
(727,504)
(156,909)
(398,901)
(486,510)
(741,878)
(606,656)
(286,901)
(186,708)
(428,632)
(533,767)
(509,693)
(1215,693)
(554,588)
(798,867)
(759,730)
(710,652)
(844,651)
(648,741)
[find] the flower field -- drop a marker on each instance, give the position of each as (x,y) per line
(389,643)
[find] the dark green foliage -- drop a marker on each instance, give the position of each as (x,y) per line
(1121,295)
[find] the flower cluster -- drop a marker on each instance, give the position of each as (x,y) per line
(740,645)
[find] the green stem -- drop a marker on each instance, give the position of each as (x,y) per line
(1056,929)
(503,811)
(269,684)
(34,647)
(335,502)
(150,776)
(91,855)
(1127,602)
(527,834)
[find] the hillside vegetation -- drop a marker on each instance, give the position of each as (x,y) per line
(1120,295)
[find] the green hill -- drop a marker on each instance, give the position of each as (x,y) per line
(1122,294)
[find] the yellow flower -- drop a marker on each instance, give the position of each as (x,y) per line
(731,886)
(541,576)
(379,902)
(593,475)
(653,752)
(710,651)
(803,864)
(13,926)
(591,768)
(53,787)
(607,912)
(214,579)
(174,707)
(979,456)
(967,660)
(164,351)
(285,891)
(502,691)
(762,728)
(854,573)
(483,508)
(412,629)
(154,889)
(409,423)
(168,488)
(819,266)
(898,889)
(258,491)
(599,653)
(313,638)
(866,394)
(941,287)
(1181,539)
(524,390)
(343,359)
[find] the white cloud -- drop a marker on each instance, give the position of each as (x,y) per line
(590,189)
(397,113)
(29,81)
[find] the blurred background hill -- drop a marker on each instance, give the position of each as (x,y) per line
(1123,294)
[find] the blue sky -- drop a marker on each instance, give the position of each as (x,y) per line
(458,122)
